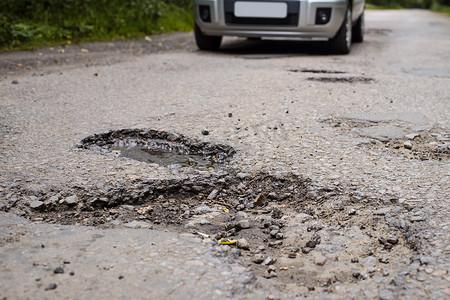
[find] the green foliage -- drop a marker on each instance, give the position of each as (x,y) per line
(408,3)
(25,23)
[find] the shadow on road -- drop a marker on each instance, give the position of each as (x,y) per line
(274,47)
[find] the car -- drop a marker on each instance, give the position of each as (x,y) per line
(339,21)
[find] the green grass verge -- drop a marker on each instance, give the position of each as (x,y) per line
(442,9)
(379,7)
(62,22)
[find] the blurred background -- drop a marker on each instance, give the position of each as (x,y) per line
(29,24)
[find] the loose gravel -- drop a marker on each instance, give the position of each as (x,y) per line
(335,189)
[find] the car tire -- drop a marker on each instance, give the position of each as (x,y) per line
(342,41)
(358,30)
(206,42)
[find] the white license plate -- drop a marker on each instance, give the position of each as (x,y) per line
(244,9)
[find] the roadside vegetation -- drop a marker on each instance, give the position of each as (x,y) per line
(442,6)
(28,24)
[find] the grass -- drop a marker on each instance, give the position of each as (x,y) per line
(380,7)
(441,9)
(30,24)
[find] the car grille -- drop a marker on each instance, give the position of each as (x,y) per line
(291,19)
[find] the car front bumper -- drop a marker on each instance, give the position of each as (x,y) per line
(304,26)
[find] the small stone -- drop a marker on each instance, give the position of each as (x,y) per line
(258,258)
(311,244)
(72,273)
(407,145)
(275,244)
(269,261)
(203,209)
(425,260)
(383,211)
(352,212)
(213,194)
(392,239)
(315,240)
(51,286)
(421,277)
(243,175)
(320,260)
(384,260)
(364,275)
(71,200)
(332,257)
(100,201)
(205,132)
(279,236)
(292,255)
(412,136)
(230,115)
(120,277)
(15,82)
(271,269)
(355,259)
(243,224)
(138,224)
(271,274)
(369,261)
(440,273)
(236,253)
(58,270)
(242,244)
(37,204)
(127,207)
(306,250)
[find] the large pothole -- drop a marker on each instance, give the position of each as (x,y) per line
(287,229)
(158,147)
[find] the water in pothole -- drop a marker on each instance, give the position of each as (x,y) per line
(166,158)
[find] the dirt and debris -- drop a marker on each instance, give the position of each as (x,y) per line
(282,226)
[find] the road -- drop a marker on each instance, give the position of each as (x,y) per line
(341,170)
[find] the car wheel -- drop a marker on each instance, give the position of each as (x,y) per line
(358,30)
(342,41)
(206,42)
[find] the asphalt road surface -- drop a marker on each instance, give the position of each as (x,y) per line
(339,183)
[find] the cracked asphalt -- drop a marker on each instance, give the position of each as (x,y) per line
(374,123)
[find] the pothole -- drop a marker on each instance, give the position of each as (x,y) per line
(352,79)
(285,228)
(316,71)
(431,144)
(158,147)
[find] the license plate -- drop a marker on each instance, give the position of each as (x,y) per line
(244,9)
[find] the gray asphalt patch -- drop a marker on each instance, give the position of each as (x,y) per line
(408,117)
(382,133)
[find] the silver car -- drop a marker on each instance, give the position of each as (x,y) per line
(339,21)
